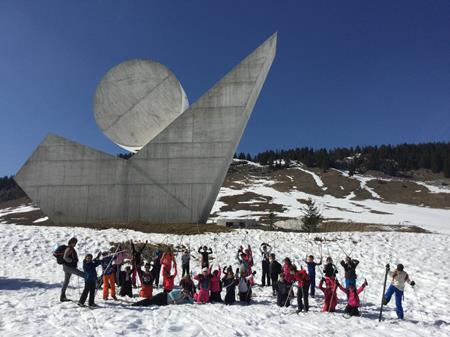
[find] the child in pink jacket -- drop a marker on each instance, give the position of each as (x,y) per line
(204,285)
(353,298)
(330,294)
(216,287)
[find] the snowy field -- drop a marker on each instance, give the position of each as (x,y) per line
(30,282)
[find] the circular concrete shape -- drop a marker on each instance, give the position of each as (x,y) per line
(136,100)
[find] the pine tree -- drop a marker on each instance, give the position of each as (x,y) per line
(311,216)
(271,221)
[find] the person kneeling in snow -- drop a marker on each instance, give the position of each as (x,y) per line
(353,298)
(168,280)
(146,278)
(173,297)
(399,278)
(126,286)
(330,293)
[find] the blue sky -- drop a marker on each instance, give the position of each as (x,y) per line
(346,73)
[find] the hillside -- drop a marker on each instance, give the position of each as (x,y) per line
(251,190)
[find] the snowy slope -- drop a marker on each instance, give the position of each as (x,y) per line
(30,282)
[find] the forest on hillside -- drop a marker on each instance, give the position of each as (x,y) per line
(390,159)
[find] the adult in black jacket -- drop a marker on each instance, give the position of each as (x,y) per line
(274,270)
(265,249)
(349,266)
(205,252)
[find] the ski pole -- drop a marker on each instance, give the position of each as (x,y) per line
(384,289)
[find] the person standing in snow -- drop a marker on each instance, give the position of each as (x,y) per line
(156,270)
(274,270)
(146,278)
(311,265)
(216,286)
(90,280)
(349,266)
(136,260)
(204,285)
(70,259)
(108,276)
(352,307)
(245,287)
(230,282)
(168,279)
(398,280)
(330,293)
(185,261)
(265,249)
(329,269)
(302,279)
(204,252)
(126,286)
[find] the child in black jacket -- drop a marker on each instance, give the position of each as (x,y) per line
(229,282)
(283,292)
(126,283)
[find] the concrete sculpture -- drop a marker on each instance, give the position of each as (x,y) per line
(175,177)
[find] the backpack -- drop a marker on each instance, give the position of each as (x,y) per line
(58,253)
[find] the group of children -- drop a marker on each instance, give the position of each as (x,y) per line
(211,282)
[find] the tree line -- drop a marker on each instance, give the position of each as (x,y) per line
(9,190)
(390,159)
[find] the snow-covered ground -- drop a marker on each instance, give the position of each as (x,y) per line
(30,282)
(345,209)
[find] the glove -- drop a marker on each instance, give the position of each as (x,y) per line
(388,266)
(412,283)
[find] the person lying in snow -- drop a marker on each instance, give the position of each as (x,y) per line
(90,279)
(330,301)
(352,293)
(204,252)
(399,278)
(173,297)
(216,286)
(229,282)
(349,266)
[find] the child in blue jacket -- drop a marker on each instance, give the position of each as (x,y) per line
(311,265)
(90,280)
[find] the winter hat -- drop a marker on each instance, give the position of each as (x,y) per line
(400,267)
(205,269)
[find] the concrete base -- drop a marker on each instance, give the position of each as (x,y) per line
(175,178)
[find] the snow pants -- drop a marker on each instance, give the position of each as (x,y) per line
(146,291)
(156,271)
(274,278)
(68,271)
(185,269)
(265,273)
(352,311)
(312,285)
(283,300)
(109,280)
(398,299)
(330,302)
(245,297)
(302,297)
(215,297)
(349,282)
(202,296)
(89,288)
(126,289)
(230,297)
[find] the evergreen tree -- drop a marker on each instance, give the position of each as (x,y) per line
(311,216)
(248,157)
(271,221)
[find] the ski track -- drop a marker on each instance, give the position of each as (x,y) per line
(30,282)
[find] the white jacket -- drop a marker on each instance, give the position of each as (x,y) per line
(399,278)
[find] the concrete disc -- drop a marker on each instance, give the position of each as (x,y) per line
(136,100)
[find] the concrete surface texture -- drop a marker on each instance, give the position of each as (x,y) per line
(175,178)
(136,100)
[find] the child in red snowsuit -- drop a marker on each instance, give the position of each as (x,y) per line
(204,285)
(353,298)
(216,288)
(146,277)
(330,293)
(168,280)
(302,279)
(167,259)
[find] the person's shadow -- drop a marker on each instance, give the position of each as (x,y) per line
(22,283)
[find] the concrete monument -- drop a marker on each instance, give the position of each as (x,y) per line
(183,153)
